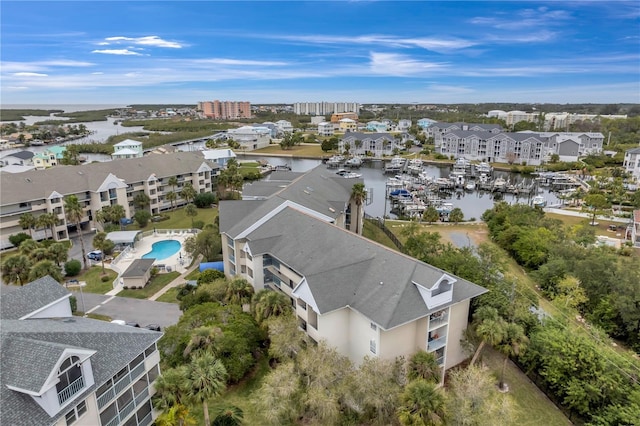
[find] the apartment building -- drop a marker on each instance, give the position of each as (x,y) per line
(360,297)
(251,137)
(552,120)
(58,369)
(631,163)
(225,110)
(376,144)
(324,108)
(325,129)
(97,185)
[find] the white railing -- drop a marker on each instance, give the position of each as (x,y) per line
(437,343)
(105,398)
(438,320)
(128,409)
(73,388)
(137,371)
(121,384)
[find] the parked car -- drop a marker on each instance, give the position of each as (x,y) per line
(154,327)
(95,255)
(132,324)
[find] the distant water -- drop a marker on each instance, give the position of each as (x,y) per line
(65,107)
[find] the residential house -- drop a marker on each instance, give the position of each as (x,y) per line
(97,185)
(633,230)
(250,137)
(273,128)
(336,117)
(425,122)
(20,158)
(325,129)
(347,125)
(377,126)
(284,126)
(403,125)
(219,156)
(59,369)
(631,163)
(360,297)
(50,157)
(128,148)
(376,144)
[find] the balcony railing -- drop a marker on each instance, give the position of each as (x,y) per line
(127,409)
(438,320)
(137,371)
(436,344)
(142,396)
(105,398)
(145,421)
(73,388)
(120,385)
(440,360)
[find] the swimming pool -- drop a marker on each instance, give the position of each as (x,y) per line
(163,249)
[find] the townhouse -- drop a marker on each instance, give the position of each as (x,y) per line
(59,369)
(376,144)
(358,296)
(97,185)
(128,148)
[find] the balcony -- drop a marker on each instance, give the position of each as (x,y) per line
(438,319)
(73,388)
(146,420)
(436,344)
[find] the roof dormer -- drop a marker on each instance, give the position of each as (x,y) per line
(439,294)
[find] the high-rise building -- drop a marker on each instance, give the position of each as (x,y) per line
(324,108)
(225,110)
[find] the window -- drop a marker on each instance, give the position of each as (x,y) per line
(76,413)
(153,374)
(250,272)
(372,346)
(70,379)
(374,327)
(151,349)
(302,304)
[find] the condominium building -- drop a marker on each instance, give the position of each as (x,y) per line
(97,185)
(324,108)
(325,129)
(552,120)
(225,110)
(631,163)
(59,369)
(360,297)
(376,144)
(251,137)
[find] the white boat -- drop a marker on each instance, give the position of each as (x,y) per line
(538,201)
(335,161)
(484,168)
(415,166)
(470,186)
(353,162)
(348,175)
(458,179)
(499,184)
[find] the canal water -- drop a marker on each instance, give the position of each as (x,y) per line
(472,204)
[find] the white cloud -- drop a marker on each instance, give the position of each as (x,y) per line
(401,65)
(29,74)
(240,62)
(17,88)
(97,73)
(117,52)
(154,41)
(39,66)
(527,18)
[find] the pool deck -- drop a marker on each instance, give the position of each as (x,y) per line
(178,262)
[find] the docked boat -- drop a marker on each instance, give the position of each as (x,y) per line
(470,186)
(484,167)
(347,174)
(353,162)
(499,184)
(415,166)
(335,161)
(538,201)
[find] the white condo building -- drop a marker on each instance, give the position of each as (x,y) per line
(324,108)
(62,370)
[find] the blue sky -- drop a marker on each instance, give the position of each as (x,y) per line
(123,52)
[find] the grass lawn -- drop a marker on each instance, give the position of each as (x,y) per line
(92,277)
(193,275)
(156,283)
(532,405)
(602,227)
(170,296)
(376,234)
(178,220)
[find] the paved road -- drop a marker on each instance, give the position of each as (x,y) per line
(135,310)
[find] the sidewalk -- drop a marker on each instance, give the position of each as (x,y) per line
(179,280)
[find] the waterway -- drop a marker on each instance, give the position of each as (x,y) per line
(472,204)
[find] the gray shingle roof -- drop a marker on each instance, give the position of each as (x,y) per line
(115,347)
(344,269)
(633,151)
(31,297)
(23,155)
(38,184)
(138,268)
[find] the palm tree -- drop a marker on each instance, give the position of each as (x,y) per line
(171,388)
(514,342)
(172,197)
(421,404)
(192,211)
(202,338)
(16,269)
(117,212)
(47,220)
(431,214)
(141,201)
(239,291)
(74,213)
(103,244)
(58,252)
(424,365)
(27,246)
(456,216)
(173,181)
(207,378)
(178,415)
(27,221)
(358,196)
(490,327)
(188,193)
(228,416)
(44,268)
(268,303)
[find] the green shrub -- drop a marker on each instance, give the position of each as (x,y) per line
(198,224)
(104,278)
(74,303)
(205,200)
(72,267)
(18,238)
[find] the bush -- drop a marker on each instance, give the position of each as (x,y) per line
(198,224)
(17,239)
(74,303)
(209,276)
(104,278)
(72,267)
(205,200)
(439,156)
(142,218)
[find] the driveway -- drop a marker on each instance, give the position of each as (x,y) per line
(134,310)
